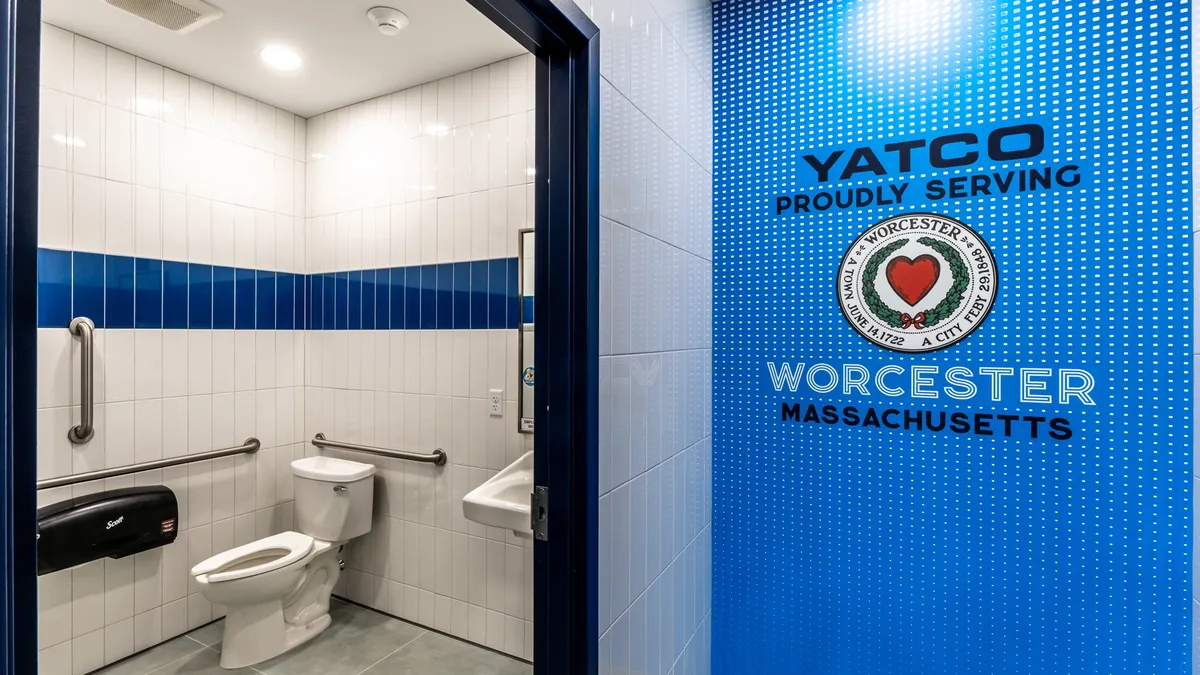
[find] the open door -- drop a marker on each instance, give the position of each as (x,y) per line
(566,44)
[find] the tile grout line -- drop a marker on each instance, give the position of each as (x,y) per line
(189,654)
(393,652)
(210,648)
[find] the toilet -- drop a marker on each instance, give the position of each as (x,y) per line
(276,590)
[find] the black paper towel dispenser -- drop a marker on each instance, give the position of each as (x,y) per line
(111,524)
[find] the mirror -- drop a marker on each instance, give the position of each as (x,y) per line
(525,396)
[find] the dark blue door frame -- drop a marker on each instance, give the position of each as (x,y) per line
(18,336)
(567,46)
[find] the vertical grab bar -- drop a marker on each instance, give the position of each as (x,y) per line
(84,328)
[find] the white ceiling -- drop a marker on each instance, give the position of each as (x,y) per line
(346,59)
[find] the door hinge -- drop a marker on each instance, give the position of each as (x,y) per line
(539,506)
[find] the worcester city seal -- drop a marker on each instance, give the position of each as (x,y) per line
(917,282)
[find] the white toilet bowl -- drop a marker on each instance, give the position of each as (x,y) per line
(276,590)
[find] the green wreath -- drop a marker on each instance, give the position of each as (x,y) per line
(943,310)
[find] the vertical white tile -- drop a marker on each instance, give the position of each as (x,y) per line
(174,226)
(174,161)
(498,96)
(200,365)
(87,652)
(54,209)
(175,363)
(118,434)
(175,97)
(54,367)
(54,128)
(174,618)
(244,237)
(118,218)
(224,370)
(118,145)
(148,89)
(174,424)
(200,105)
(265,493)
(54,456)
(54,608)
(57,63)
(264,127)
(199,230)
(119,374)
(520,90)
(517,161)
(118,590)
(147,629)
(223,116)
(245,362)
(147,223)
(119,79)
(148,430)
(223,241)
(147,145)
(264,234)
(199,424)
(87,197)
(497,152)
(87,604)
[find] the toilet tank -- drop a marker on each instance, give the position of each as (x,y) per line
(333,497)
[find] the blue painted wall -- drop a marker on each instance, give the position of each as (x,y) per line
(991,546)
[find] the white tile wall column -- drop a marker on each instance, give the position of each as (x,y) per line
(655,334)
(141,161)
(434,174)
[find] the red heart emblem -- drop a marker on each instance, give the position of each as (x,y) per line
(913,279)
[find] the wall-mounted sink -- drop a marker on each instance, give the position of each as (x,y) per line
(503,501)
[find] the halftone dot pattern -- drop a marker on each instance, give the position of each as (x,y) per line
(844,550)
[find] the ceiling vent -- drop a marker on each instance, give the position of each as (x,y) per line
(180,16)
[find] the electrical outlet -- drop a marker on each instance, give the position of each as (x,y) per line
(496,397)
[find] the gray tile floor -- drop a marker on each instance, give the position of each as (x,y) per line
(358,642)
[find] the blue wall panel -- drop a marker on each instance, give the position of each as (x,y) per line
(844,547)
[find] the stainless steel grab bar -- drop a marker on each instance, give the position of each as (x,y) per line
(250,447)
(437,457)
(85,329)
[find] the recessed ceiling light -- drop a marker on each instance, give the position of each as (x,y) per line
(280,58)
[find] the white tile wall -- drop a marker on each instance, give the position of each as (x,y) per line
(655,334)
(432,174)
(138,160)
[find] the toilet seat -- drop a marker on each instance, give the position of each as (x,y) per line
(257,557)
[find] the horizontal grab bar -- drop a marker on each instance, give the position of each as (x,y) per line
(437,457)
(250,447)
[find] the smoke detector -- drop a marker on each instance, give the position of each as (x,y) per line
(388,20)
(180,16)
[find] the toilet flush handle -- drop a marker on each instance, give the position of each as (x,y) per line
(339,488)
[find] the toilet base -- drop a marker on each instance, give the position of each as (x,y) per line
(258,633)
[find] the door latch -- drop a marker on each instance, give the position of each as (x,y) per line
(539,506)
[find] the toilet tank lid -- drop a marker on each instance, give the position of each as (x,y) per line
(331,469)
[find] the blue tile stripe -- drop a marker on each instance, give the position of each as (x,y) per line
(125,292)
(527,309)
